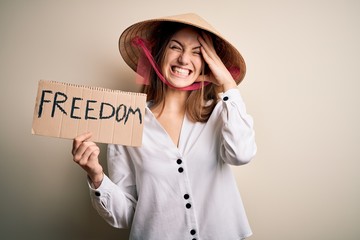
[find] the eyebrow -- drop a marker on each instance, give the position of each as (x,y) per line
(174,40)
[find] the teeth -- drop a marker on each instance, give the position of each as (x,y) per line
(181,71)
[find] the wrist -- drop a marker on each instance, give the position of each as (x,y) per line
(229,85)
(96,178)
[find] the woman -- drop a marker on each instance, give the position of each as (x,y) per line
(178,184)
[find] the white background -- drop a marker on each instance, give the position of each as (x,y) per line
(302,88)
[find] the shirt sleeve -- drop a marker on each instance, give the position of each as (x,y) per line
(238,136)
(115,199)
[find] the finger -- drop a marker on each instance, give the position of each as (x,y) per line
(93,162)
(205,55)
(91,153)
(207,43)
(212,64)
(79,140)
(209,57)
(79,153)
(207,38)
(83,137)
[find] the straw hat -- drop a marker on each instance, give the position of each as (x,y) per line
(230,56)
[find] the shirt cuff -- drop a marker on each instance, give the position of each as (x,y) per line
(232,95)
(104,188)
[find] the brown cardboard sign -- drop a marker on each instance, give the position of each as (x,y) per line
(67,110)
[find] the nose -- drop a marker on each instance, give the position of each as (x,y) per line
(184,58)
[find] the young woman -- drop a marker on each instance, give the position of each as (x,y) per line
(178,185)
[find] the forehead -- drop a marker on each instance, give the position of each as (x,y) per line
(186,34)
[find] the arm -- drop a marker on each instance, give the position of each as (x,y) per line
(113,199)
(238,136)
(86,153)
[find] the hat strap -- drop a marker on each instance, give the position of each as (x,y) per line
(143,67)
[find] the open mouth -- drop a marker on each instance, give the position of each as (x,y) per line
(181,71)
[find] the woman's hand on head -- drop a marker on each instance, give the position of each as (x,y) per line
(219,74)
(86,153)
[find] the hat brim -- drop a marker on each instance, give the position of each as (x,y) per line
(229,55)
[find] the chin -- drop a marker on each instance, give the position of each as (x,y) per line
(180,85)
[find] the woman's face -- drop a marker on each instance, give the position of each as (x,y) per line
(182,60)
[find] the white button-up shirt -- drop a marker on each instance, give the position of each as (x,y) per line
(168,192)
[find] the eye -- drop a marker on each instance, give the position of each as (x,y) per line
(175,47)
(197,51)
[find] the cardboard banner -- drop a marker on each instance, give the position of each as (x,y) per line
(67,110)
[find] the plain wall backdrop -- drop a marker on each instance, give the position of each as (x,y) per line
(302,89)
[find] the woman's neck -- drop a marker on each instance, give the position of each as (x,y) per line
(176,99)
(174,102)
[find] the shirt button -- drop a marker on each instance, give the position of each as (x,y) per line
(180,169)
(186,196)
(97,194)
(226,98)
(188,205)
(179,161)
(193,232)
